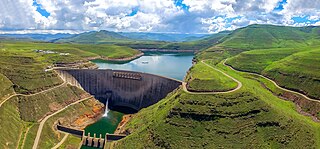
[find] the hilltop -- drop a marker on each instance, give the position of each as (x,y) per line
(259,114)
(270,36)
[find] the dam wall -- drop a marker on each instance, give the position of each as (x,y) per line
(121,88)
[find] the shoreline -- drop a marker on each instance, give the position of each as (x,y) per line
(116,59)
(120,128)
(167,50)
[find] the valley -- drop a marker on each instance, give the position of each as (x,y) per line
(254,87)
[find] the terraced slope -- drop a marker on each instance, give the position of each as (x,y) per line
(6,87)
(202,78)
(38,92)
(300,71)
(269,36)
(251,117)
(291,68)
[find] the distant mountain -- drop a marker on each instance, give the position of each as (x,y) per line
(112,37)
(95,37)
(41,37)
(270,36)
(169,37)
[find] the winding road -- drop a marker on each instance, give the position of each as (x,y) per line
(27,95)
(184,84)
(36,141)
(62,141)
(273,82)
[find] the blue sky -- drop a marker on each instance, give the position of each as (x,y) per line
(181,16)
(39,8)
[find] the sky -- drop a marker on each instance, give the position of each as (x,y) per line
(171,16)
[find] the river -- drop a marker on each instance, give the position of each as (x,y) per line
(172,65)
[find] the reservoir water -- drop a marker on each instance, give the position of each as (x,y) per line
(173,65)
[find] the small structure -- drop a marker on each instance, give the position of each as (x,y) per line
(88,140)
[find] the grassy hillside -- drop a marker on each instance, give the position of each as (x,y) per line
(25,67)
(11,125)
(68,117)
(203,78)
(22,70)
(94,37)
(258,60)
(105,37)
(300,71)
(6,87)
(296,69)
(251,117)
(269,36)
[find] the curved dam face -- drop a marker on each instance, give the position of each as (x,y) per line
(121,88)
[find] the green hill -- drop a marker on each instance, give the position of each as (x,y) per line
(94,37)
(269,36)
(251,117)
(133,41)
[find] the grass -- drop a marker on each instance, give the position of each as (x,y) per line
(6,87)
(33,108)
(51,137)
(31,135)
(104,37)
(299,72)
(26,69)
(258,60)
(291,68)
(11,125)
(71,142)
(269,36)
(251,117)
(204,78)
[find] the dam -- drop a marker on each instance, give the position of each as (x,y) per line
(122,89)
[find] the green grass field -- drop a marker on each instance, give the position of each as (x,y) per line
(11,125)
(25,68)
(300,71)
(204,78)
(269,36)
(6,87)
(249,118)
(252,117)
(291,68)
(33,108)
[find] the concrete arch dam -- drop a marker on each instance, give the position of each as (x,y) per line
(121,88)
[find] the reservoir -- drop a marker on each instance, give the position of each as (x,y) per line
(172,65)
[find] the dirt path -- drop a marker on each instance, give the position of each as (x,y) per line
(61,142)
(64,83)
(284,89)
(36,141)
(25,136)
(184,84)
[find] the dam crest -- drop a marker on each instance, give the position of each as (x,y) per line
(125,89)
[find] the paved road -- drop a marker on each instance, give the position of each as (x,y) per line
(26,95)
(284,89)
(62,141)
(36,141)
(184,84)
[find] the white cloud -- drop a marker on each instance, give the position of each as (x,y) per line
(153,15)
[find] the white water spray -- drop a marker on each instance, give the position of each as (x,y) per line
(106,110)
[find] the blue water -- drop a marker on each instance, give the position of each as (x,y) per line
(172,65)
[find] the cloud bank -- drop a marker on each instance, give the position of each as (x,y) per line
(182,16)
